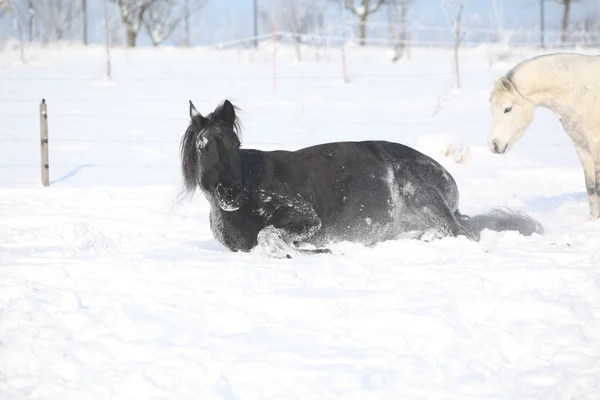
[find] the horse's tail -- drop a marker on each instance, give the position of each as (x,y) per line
(501,220)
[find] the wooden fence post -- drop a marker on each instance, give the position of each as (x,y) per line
(44,143)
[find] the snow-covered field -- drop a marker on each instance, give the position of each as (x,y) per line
(111,289)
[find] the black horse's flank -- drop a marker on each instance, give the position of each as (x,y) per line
(363,192)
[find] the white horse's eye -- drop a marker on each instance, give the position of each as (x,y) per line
(507,109)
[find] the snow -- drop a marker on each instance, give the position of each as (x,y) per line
(112,288)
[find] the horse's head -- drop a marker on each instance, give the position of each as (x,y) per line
(511,114)
(210,157)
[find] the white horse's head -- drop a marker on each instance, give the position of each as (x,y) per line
(511,114)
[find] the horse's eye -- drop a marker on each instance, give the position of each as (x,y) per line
(507,109)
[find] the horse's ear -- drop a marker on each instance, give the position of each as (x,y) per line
(226,112)
(193,111)
(504,83)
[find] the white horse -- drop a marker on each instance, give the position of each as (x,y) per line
(569,85)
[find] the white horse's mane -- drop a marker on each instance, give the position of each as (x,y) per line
(503,85)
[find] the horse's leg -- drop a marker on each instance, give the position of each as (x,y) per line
(286,226)
(591,170)
(597,198)
(597,176)
(429,202)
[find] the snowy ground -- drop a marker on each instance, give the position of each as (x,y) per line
(109,288)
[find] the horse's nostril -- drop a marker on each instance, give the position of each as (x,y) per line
(229,192)
(495,146)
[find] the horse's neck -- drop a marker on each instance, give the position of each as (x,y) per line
(549,82)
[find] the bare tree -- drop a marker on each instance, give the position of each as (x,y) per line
(8,7)
(161,20)
(24,11)
(363,9)
(56,18)
(300,17)
(31,23)
(590,28)
(84,21)
(399,31)
(107,40)
(165,16)
(454,10)
(343,46)
(499,48)
(542,24)
(132,15)
(5,7)
(565,18)
(47,19)
(498,18)
(255,21)
(187,15)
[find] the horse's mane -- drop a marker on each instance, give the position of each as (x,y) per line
(189,160)
(502,85)
(506,85)
(226,113)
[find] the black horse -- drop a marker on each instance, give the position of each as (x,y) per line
(364,192)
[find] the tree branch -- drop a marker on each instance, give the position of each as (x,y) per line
(375,8)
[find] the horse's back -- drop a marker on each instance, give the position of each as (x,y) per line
(424,170)
(390,189)
(581,96)
(350,163)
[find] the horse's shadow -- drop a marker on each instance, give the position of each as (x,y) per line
(551,203)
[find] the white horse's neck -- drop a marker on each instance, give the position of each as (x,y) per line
(557,81)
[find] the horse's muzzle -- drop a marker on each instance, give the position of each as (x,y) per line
(497,148)
(229,197)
